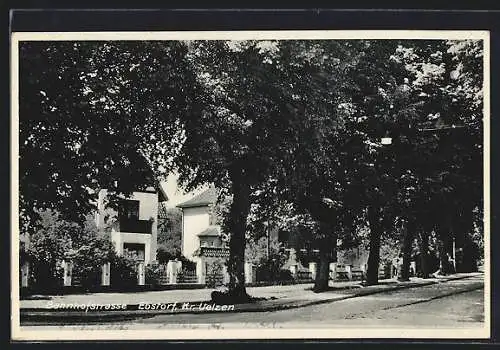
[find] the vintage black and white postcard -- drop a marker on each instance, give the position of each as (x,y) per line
(250,185)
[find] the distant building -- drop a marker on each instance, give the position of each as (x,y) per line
(199,224)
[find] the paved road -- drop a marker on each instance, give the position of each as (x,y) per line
(452,304)
(166,296)
(456,303)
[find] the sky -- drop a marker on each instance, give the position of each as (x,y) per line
(175,194)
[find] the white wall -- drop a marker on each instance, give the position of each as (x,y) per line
(119,238)
(194,220)
(148,208)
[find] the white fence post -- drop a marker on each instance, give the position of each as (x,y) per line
(200,270)
(67,273)
(25,272)
(313,268)
(413,268)
(105,276)
(248,273)
(333,269)
(348,269)
(141,274)
(225,274)
(172,272)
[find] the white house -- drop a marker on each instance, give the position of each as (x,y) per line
(199,228)
(133,227)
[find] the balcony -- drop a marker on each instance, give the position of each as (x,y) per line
(214,252)
(135,226)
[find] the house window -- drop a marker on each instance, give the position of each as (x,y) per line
(134,251)
(129,218)
(129,209)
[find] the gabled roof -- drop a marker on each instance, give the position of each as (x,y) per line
(205,198)
(162,193)
(211,231)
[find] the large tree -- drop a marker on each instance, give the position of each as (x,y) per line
(92,115)
(379,105)
(318,172)
(427,97)
(253,98)
(444,140)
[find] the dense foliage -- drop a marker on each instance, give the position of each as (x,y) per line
(58,240)
(169,234)
(283,128)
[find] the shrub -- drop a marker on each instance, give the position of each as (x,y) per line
(46,276)
(163,255)
(186,263)
(153,274)
(214,276)
(59,240)
(88,259)
(285,276)
(270,269)
(123,272)
(384,269)
(47,247)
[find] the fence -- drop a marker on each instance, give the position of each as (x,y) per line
(214,273)
(187,276)
(357,273)
(303,276)
(164,277)
(342,272)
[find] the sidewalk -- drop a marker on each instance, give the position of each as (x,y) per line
(166,296)
(273,298)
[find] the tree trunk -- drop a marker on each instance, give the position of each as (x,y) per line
(444,251)
(323,275)
(470,256)
(424,254)
(327,249)
(236,225)
(409,233)
(462,228)
(374,217)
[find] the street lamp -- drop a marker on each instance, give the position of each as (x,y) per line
(386,140)
(402,91)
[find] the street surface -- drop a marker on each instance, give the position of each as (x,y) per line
(453,304)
